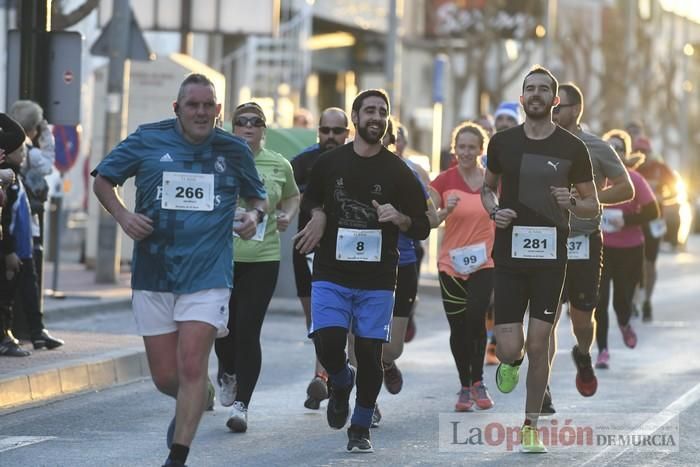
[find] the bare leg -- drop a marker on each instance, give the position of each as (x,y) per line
(538,335)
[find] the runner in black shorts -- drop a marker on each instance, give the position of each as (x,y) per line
(537,163)
(585,243)
(332,132)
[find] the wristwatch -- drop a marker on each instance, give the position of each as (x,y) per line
(493,212)
(261,214)
(572,201)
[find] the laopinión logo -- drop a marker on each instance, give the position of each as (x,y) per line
(498,432)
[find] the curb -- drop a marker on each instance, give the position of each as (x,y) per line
(118,367)
(73,310)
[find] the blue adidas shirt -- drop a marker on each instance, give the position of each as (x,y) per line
(188,251)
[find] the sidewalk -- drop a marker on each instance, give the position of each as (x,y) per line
(88,360)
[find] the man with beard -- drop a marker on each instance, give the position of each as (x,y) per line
(585,242)
(536,164)
(360,196)
(332,132)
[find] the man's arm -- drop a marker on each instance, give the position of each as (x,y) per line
(136,226)
(583,203)
(620,190)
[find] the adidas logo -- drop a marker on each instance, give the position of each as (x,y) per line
(166,158)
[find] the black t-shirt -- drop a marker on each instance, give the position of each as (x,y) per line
(345,184)
(528,168)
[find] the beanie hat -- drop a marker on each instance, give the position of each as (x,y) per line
(642,144)
(510,109)
(12,135)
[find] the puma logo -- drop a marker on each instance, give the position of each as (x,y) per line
(548,312)
(555,165)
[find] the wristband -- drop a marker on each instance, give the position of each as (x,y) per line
(493,212)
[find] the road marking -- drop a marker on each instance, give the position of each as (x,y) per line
(674,409)
(8,443)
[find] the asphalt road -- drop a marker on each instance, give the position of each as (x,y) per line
(651,390)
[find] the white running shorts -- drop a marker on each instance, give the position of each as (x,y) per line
(159,313)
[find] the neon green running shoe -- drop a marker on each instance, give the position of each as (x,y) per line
(507,377)
(211,395)
(530,441)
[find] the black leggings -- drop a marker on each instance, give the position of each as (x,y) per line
(239,353)
(466,303)
(330,350)
(622,267)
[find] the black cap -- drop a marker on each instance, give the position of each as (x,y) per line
(12,135)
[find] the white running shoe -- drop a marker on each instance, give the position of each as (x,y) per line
(229,388)
(238,418)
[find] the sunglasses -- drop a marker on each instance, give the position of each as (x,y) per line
(337,130)
(561,106)
(244,121)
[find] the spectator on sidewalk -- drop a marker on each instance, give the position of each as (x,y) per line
(15,237)
(37,165)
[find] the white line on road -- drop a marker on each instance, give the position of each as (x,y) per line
(8,443)
(611,453)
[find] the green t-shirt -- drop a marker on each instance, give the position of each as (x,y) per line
(276,173)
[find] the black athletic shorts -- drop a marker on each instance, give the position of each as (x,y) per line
(516,288)
(583,276)
(471,295)
(406,290)
(302,274)
(651,245)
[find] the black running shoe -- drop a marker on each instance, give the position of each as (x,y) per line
(171,463)
(170,434)
(358,439)
(547,405)
(44,339)
(338,409)
(646,312)
(311,403)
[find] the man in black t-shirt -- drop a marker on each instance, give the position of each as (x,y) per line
(536,163)
(360,196)
(332,132)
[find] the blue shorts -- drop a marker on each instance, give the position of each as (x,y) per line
(369,311)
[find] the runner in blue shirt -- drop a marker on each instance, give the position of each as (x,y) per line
(188,177)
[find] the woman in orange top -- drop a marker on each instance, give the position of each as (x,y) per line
(465,263)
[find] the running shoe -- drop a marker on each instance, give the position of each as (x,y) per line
(603,361)
(464,400)
(393,379)
(507,377)
(238,418)
(318,387)
(629,336)
(46,340)
(358,439)
(491,358)
(547,405)
(646,312)
(376,417)
(211,395)
(586,381)
(229,389)
(170,434)
(410,329)
(338,408)
(480,395)
(530,441)
(311,403)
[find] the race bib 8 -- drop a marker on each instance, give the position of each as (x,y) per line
(358,245)
(534,242)
(188,192)
(470,258)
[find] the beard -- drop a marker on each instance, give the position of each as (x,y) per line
(328,145)
(363,131)
(543,112)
